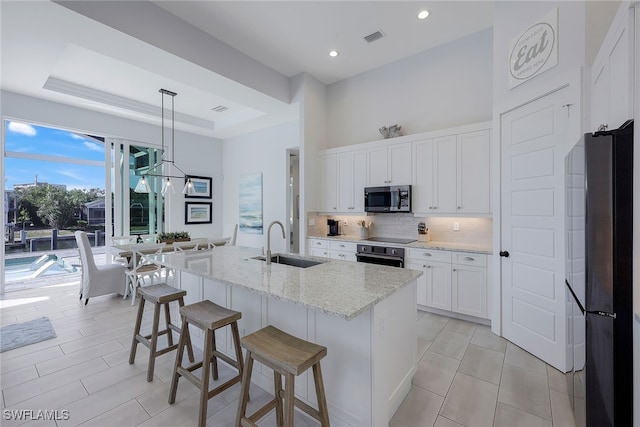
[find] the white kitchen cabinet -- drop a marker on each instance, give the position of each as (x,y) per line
(328,183)
(469,284)
(389,165)
(451,281)
(474,172)
(351,180)
(341,180)
(345,251)
(452,174)
(317,247)
(612,74)
(434,179)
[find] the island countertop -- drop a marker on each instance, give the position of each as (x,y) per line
(338,288)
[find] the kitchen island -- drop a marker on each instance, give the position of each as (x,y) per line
(364,314)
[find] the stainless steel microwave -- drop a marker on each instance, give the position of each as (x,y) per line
(394,198)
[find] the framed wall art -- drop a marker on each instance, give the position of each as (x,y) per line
(197,212)
(201,187)
(250,203)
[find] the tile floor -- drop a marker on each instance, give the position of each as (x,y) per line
(466,375)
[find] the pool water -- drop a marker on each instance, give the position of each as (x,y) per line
(37,266)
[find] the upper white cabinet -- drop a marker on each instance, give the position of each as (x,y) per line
(342,180)
(474,172)
(612,75)
(452,174)
(328,183)
(389,165)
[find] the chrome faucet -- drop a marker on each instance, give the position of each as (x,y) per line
(269,239)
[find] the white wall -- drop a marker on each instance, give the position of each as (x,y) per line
(446,86)
(264,151)
(195,154)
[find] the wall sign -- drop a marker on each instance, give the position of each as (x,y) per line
(535,50)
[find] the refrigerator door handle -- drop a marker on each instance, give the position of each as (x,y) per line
(580,306)
(602,313)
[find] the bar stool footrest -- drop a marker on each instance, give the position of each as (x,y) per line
(260,413)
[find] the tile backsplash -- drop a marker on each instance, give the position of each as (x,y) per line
(472,230)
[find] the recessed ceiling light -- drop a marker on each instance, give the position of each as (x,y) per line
(333,53)
(423,14)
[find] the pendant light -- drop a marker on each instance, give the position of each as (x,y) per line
(167,187)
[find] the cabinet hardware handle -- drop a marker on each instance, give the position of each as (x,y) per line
(427,254)
(424,266)
(468,258)
(454,269)
(459,207)
(342,246)
(430,207)
(428,266)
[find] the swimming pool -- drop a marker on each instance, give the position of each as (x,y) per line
(17,269)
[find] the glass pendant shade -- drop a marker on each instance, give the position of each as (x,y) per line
(142,186)
(167,187)
(188,187)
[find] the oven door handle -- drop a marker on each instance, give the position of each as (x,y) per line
(394,258)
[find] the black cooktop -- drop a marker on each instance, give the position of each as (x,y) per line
(390,240)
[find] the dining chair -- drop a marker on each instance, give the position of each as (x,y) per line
(122,240)
(98,280)
(149,238)
(142,266)
(192,245)
(233,235)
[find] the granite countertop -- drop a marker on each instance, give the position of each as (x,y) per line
(446,246)
(342,289)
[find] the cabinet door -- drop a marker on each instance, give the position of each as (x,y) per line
(322,253)
(474,172)
(345,182)
(423,173)
(438,285)
(328,183)
(446,175)
(469,290)
(377,166)
(421,296)
(399,164)
(359,180)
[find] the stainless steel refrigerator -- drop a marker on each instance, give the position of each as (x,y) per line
(599,277)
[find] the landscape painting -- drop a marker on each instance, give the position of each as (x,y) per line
(250,201)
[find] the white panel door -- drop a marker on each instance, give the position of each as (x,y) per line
(474,172)
(400,164)
(446,175)
(532,230)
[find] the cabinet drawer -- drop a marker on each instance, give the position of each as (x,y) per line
(318,243)
(428,254)
(463,258)
(342,246)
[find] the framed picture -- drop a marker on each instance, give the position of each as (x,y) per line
(197,212)
(201,187)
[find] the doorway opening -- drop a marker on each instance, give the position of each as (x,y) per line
(293,200)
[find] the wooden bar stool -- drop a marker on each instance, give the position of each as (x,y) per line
(288,356)
(209,317)
(160,295)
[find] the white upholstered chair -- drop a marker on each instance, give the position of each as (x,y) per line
(98,279)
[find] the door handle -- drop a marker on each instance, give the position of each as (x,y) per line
(504,254)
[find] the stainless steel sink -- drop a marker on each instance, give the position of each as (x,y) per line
(289,260)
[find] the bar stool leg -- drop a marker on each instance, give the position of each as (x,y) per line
(204,382)
(136,332)
(167,320)
(277,385)
(322,400)
(214,359)
(289,399)
(154,340)
(236,344)
(244,388)
(188,337)
(184,336)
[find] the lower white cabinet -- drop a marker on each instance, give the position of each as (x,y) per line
(333,249)
(451,281)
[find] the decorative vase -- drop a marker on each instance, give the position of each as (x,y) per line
(364,233)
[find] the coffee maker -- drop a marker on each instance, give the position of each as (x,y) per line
(333,227)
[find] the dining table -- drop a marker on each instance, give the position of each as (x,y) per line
(127,250)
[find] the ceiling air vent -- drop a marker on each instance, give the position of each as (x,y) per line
(374,36)
(220,109)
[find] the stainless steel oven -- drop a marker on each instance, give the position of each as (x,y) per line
(381,255)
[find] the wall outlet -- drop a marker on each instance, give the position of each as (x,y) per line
(311,222)
(345,222)
(456,226)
